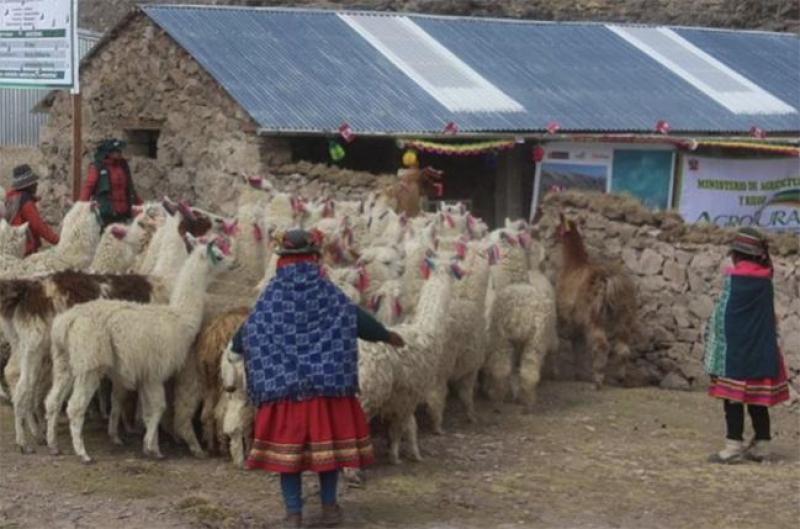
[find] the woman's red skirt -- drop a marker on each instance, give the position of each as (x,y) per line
(759,391)
(321,434)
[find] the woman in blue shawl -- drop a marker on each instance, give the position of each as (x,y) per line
(741,349)
(300,347)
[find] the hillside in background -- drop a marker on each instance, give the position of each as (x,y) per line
(772,15)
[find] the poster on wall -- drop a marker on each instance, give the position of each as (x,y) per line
(764,193)
(38,43)
(572,166)
(644,174)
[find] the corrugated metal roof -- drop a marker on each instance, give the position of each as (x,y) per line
(19,126)
(308,70)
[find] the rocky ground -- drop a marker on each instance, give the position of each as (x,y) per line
(621,458)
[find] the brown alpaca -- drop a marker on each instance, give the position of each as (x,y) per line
(210,345)
(413,185)
(596,301)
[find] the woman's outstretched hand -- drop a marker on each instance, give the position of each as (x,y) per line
(396,340)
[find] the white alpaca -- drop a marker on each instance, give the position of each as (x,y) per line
(465,352)
(137,346)
(522,322)
(234,411)
(29,306)
(117,249)
(80,234)
(382,263)
(393,383)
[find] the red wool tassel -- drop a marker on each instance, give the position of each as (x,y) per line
(450,128)
(662,126)
(346,132)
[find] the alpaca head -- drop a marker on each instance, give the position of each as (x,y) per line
(382,262)
(231,371)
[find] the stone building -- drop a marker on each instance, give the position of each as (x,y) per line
(206,94)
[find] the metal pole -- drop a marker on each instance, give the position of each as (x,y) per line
(77,146)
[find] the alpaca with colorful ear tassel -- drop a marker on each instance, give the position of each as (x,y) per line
(522,319)
(394,382)
(106,338)
(80,234)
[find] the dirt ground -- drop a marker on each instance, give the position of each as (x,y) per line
(620,458)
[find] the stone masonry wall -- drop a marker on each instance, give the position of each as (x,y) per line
(142,78)
(678,272)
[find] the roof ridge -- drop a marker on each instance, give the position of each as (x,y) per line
(477,19)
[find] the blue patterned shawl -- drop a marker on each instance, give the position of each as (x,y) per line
(300,341)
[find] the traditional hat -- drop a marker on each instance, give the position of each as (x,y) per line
(298,242)
(23,176)
(749,241)
(108,146)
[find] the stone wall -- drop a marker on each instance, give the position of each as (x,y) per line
(142,79)
(678,272)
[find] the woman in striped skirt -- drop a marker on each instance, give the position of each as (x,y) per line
(741,349)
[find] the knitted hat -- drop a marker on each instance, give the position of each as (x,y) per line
(107,146)
(23,177)
(749,241)
(298,242)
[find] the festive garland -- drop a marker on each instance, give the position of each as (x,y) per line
(777,149)
(450,149)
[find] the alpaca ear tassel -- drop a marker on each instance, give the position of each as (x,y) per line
(457,271)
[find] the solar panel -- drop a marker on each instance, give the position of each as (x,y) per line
(727,87)
(438,71)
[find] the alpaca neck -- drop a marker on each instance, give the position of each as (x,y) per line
(573,251)
(433,303)
(190,288)
(74,242)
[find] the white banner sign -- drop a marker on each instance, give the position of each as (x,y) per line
(735,192)
(38,42)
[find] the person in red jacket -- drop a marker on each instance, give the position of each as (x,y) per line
(21,208)
(109,183)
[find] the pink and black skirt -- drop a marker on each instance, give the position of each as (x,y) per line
(767,391)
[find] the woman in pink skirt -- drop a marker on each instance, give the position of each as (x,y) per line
(300,347)
(741,349)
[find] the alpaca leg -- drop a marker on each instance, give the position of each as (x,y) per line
(62,384)
(30,361)
(600,348)
(154,403)
(395,433)
(209,423)
(237,449)
(85,386)
(184,427)
(131,413)
(436,402)
(103,397)
(498,371)
(118,394)
(530,372)
(622,352)
(5,356)
(413,442)
(465,389)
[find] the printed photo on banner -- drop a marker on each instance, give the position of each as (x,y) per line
(734,192)
(571,166)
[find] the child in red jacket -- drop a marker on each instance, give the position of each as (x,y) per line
(21,208)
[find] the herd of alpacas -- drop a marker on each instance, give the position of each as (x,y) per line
(138,317)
